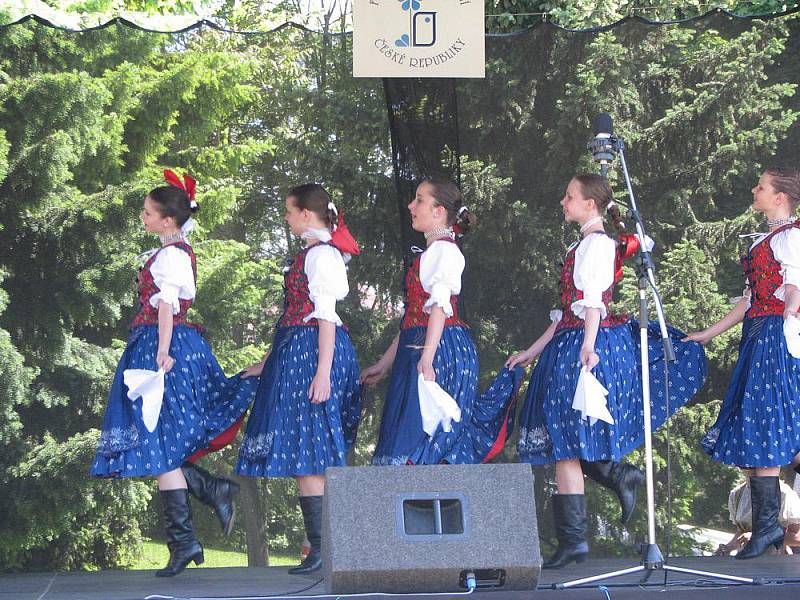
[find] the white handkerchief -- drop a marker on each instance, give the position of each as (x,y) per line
(150,386)
(436,406)
(791,331)
(590,399)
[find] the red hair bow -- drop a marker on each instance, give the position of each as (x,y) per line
(343,239)
(188,184)
(628,246)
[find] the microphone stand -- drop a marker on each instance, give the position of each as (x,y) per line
(651,558)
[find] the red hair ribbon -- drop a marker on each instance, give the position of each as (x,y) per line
(628,246)
(343,239)
(188,184)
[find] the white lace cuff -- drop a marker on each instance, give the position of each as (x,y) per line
(440,296)
(168,294)
(579,307)
(325,309)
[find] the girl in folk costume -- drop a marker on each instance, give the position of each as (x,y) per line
(758,426)
(432,413)
(170,399)
(584,345)
(307,407)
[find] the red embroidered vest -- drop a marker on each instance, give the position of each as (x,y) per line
(416,297)
(763,274)
(297,302)
(570,294)
(148,314)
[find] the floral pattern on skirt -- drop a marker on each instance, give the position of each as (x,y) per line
(551,430)
(484,418)
(199,404)
(287,435)
(759,421)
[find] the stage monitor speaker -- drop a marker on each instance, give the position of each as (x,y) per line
(423,528)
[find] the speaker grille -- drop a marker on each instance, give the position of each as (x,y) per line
(432,516)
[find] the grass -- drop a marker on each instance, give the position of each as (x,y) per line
(155,555)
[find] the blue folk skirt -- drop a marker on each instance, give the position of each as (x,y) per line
(485,418)
(759,420)
(200,403)
(287,435)
(551,430)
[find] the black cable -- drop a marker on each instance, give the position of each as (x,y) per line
(305,589)
(646,21)
(196,25)
(212,25)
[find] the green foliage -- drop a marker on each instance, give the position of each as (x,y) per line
(14,382)
(238,297)
(155,556)
(64,520)
(87,125)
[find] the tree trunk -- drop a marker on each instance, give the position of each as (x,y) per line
(254,523)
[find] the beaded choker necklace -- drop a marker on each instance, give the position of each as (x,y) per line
(590,222)
(440,232)
(171,238)
(780,222)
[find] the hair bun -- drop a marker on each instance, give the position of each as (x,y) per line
(465,220)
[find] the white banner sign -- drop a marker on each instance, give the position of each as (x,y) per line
(418,38)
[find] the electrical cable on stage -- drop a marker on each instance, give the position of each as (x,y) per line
(472,584)
(278,595)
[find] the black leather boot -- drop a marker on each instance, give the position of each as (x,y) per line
(312,519)
(216,492)
(569,512)
(765,495)
(181,541)
(620,478)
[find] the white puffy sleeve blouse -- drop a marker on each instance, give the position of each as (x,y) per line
(172,273)
(593,273)
(440,270)
(327,281)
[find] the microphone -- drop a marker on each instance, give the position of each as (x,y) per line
(602,146)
